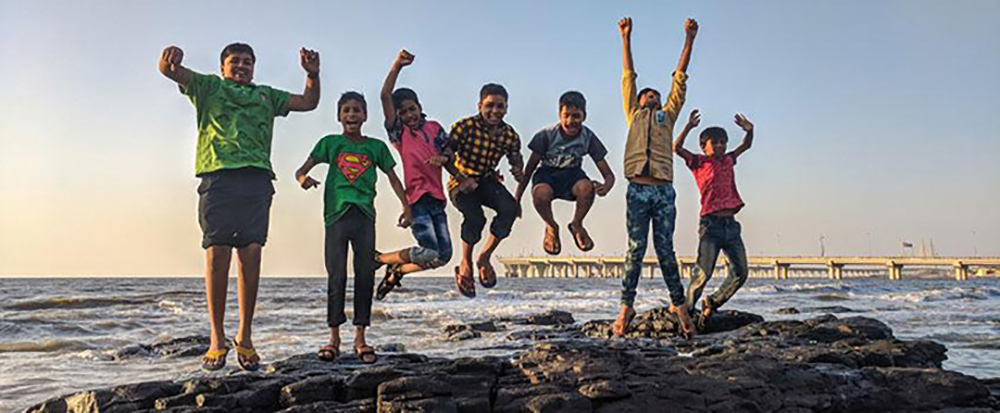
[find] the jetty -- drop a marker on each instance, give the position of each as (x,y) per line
(777,267)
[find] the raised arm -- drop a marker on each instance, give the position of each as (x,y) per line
(629,99)
(170,66)
(388,109)
(302,174)
(693,120)
(678,85)
(747,127)
(407,216)
(309,99)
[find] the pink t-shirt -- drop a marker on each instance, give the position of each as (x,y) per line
(415,147)
(716,182)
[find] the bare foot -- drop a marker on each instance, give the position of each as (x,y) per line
(687,328)
(621,325)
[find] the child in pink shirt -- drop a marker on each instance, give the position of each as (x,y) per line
(720,201)
(421,144)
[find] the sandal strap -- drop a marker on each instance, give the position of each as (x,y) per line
(216,353)
(244,351)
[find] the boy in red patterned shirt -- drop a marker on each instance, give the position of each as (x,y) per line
(720,201)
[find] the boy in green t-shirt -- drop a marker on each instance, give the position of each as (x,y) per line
(349,215)
(235,119)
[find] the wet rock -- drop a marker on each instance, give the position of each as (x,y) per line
(550,318)
(741,364)
(191,346)
(835,309)
(390,348)
(461,332)
(787,310)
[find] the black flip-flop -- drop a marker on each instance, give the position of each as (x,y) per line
(488,275)
(466,285)
(392,279)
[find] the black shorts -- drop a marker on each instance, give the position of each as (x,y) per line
(561,180)
(234,207)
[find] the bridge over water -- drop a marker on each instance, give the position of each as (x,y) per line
(777,267)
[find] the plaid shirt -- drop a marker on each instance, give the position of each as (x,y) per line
(477,152)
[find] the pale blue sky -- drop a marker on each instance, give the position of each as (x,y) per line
(872,117)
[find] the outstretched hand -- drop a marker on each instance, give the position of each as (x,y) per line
(404,58)
(310,60)
(307,182)
(171,57)
(691,28)
(743,122)
(625,26)
(694,119)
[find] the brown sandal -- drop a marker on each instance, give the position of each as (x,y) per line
(366,354)
(551,244)
(581,237)
(329,352)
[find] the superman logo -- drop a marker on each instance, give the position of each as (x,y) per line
(353,165)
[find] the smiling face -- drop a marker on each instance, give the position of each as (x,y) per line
(409,113)
(571,120)
(351,116)
(238,67)
(715,146)
(493,108)
(650,99)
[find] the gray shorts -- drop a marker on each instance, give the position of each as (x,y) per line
(234,207)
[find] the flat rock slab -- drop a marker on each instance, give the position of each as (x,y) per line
(740,363)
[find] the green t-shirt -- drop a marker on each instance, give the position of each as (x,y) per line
(351,178)
(234,122)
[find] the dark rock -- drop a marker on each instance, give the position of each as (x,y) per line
(311,390)
(788,310)
(190,346)
(551,318)
(390,348)
(460,332)
(740,363)
(836,309)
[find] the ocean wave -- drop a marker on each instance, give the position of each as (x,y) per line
(66,303)
(805,288)
(43,346)
(947,294)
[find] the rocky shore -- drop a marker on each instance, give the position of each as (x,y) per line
(741,363)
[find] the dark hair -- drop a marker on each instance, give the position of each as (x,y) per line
(492,89)
(647,89)
(349,96)
(714,133)
(235,48)
(573,99)
(404,94)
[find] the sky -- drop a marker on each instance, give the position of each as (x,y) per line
(875,121)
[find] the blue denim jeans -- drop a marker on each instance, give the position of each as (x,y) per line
(715,234)
(646,204)
(430,228)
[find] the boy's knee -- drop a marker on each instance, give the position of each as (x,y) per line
(583,189)
(542,193)
(424,257)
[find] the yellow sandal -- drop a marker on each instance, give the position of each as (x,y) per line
(214,360)
(243,355)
